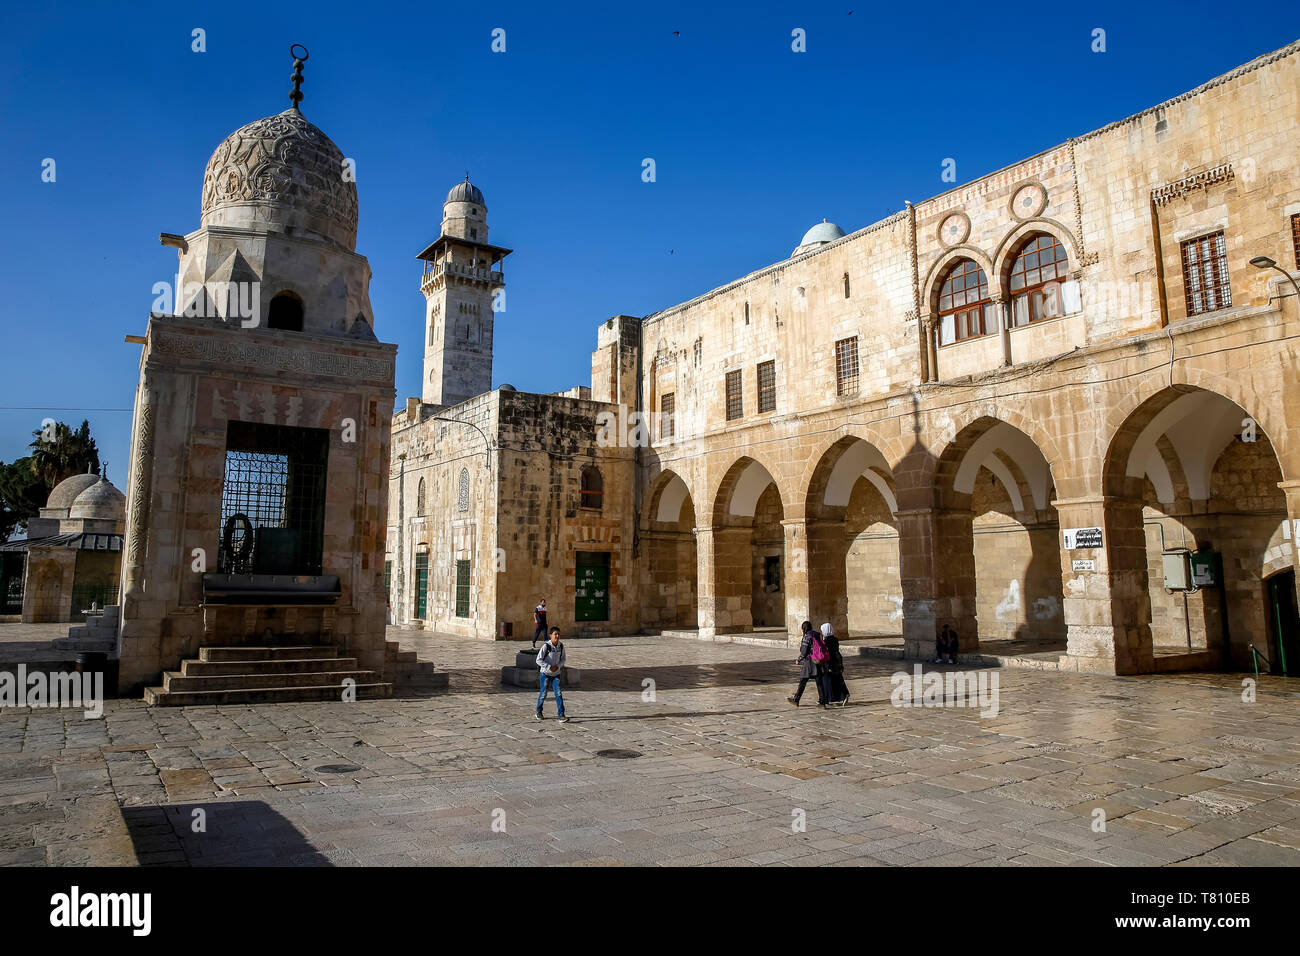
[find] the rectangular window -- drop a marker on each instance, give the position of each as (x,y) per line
(462,588)
(772,572)
(273,499)
(1205,274)
(766,387)
(421,586)
(667,408)
(735,401)
(388,577)
(1295,238)
(846,366)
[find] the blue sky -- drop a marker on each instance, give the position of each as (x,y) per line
(753,143)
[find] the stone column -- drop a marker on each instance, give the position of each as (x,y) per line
(816,581)
(1004,322)
(936,551)
(399,550)
(1108,608)
(932,345)
(1292,491)
(725,579)
(140,491)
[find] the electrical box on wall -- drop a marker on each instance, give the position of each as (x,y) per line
(1178,570)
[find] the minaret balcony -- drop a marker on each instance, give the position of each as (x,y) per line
(460,271)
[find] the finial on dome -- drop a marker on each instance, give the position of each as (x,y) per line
(295,95)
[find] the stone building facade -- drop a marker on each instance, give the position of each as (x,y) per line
(1056,406)
(259,449)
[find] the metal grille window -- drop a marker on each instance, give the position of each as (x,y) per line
(421,586)
(1295,238)
(846,366)
(462,588)
(766,387)
(667,410)
(462,491)
(1205,274)
(1035,280)
(273,499)
(735,401)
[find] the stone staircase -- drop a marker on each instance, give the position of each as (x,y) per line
(256,674)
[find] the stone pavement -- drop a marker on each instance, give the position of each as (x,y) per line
(1185,771)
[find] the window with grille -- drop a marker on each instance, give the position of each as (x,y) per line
(1036,278)
(273,499)
(667,409)
(1295,239)
(462,491)
(846,366)
(965,310)
(420,500)
(735,401)
(766,387)
(1205,274)
(593,488)
(462,588)
(846,285)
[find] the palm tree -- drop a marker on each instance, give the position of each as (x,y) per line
(63,453)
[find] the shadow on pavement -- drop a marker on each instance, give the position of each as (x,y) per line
(221,833)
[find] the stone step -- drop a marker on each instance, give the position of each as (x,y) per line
(267,652)
(175,681)
(158,697)
(287,665)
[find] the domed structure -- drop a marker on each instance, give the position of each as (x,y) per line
(818,235)
(67,491)
(100,501)
(466,192)
(281,174)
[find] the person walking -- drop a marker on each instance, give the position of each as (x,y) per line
(811,661)
(550,662)
(539,618)
(837,691)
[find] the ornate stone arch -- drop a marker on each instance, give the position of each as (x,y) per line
(1004,254)
(934,276)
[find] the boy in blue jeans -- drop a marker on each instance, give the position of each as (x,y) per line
(550,661)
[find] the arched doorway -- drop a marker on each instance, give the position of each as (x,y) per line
(668,538)
(994,479)
(853,561)
(748,550)
(1200,480)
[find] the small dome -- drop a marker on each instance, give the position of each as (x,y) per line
(821,233)
(466,192)
(279,173)
(100,500)
(67,490)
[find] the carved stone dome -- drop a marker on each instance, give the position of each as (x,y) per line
(100,500)
(67,490)
(281,174)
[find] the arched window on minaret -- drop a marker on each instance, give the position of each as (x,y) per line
(285,313)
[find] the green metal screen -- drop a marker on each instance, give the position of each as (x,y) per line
(591,594)
(421,585)
(462,589)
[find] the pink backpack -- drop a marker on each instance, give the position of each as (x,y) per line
(818,652)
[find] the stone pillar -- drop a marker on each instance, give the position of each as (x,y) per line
(936,552)
(932,345)
(725,580)
(1108,608)
(1004,323)
(139,492)
(1292,491)
(399,551)
(815,580)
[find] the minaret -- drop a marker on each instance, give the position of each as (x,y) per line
(462,284)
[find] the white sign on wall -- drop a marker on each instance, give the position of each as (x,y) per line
(1088,565)
(1076,538)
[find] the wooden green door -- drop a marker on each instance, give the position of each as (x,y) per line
(591,590)
(421,586)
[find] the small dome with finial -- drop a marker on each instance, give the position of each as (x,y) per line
(466,192)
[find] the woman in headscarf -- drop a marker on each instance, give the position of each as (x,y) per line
(809,669)
(837,692)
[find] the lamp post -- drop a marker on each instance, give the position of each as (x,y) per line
(1264,262)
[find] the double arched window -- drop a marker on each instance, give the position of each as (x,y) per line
(593,488)
(965,309)
(1036,275)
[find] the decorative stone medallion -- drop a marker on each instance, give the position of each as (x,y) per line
(1028,201)
(954,229)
